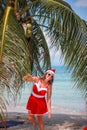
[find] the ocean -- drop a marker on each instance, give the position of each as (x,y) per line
(64,93)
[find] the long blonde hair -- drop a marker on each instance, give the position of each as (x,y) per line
(44,77)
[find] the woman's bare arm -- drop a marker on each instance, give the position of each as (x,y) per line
(49,93)
(30,78)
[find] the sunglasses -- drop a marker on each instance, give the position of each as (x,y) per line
(50,75)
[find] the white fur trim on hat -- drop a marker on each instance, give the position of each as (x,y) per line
(51,71)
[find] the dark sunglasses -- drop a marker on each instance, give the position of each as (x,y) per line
(50,75)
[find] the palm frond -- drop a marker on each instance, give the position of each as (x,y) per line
(4,29)
(15,56)
(15,43)
(41,53)
(3,109)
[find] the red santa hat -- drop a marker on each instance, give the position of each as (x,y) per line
(51,71)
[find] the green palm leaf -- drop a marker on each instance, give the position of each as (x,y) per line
(15,43)
(14,56)
(3,32)
(41,51)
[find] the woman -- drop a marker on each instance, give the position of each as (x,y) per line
(39,101)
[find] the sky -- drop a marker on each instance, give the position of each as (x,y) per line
(80,8)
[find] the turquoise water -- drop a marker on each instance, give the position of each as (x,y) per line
(64,93)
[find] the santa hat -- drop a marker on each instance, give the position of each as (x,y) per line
(51,71)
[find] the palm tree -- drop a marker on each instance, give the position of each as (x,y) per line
(23,46)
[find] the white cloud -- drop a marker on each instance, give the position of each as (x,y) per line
(81,3)
(55,54)
(56,58)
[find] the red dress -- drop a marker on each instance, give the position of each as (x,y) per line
(37,102)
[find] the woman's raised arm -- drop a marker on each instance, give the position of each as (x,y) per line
(30,78)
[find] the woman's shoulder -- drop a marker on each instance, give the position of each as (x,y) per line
(36,78)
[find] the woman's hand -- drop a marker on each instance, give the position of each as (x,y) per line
(49,114)
(27,77)
(30,78)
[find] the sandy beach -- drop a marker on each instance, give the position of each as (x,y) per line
(61,119)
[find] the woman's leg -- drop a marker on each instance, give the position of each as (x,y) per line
(32,118)
(41,122)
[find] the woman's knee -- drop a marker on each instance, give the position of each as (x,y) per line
(30,116)
(40,119)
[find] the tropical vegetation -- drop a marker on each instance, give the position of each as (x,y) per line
(24,48)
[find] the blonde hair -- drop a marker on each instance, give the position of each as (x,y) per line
(44,77)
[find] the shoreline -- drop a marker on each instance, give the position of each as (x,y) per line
(62,119)
(55,110)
